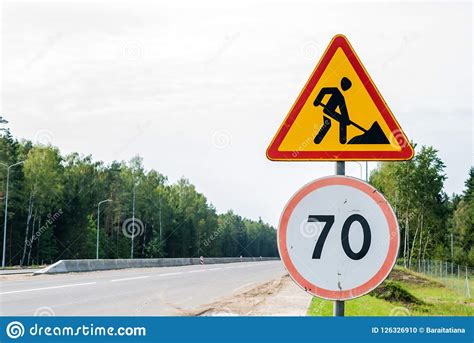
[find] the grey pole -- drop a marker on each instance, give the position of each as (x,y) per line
(338,308)
(360,167)
(98,216)
(452,247)
(366,170)
(340,168)
(459,279)
(133,220)
(446,269)
(97,233)
(6,212)
(468,291)
(160,220)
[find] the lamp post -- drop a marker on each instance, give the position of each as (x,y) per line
(366,171)
(6,211)
(98,217)
(360,166)
(133,219)
(160,220)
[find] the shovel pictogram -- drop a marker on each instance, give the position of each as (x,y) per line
(374,135)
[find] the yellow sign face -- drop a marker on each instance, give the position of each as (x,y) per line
(340,115)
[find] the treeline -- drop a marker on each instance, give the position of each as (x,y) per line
(53,199)
(433,225)
(52,211)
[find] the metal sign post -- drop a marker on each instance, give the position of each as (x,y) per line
(340,168)
(338,307)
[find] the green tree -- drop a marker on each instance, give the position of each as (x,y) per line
(415,189)
(43,179)
(463,223)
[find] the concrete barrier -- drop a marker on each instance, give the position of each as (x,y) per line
(77,266)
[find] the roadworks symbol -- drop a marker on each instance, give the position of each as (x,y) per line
(340,115)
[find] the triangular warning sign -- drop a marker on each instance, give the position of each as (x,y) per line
(340,115)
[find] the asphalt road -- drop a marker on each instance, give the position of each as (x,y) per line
(144,291)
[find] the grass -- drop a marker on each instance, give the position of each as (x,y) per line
(357,307)
(403,293)
(455,283)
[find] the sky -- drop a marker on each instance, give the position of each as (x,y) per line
(198,89)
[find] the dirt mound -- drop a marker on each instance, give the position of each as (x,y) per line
(393,291)
(404,276)
(374,135)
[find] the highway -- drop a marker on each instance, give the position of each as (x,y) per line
(142,291)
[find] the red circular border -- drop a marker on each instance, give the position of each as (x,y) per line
(392,250)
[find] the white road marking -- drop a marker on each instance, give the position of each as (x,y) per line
(131,278)
(214,268)
(46,288)
(168,274)
(197,271)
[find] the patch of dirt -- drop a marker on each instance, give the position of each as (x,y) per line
(393,291)
(466,302)
(278,297)
(244,303)
(403,276)
(15,277)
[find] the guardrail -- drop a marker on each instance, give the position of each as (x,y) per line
(77,266)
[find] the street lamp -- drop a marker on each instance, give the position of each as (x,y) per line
(160,219)
(6,210)
(360,165)
(133,218)
(98,216)
(366,170)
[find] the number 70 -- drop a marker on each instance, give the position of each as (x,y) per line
(329,221)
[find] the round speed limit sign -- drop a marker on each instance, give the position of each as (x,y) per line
(338,238)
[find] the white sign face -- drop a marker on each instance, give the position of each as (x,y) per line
(338,238)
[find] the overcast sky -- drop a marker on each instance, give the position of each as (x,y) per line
(198,88)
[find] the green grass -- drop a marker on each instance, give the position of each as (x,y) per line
(356,307)
(420,297)
(455,283)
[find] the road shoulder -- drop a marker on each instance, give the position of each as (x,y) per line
(279,297)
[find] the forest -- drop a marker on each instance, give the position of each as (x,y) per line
(432,224)
(53,203)
(54,199)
